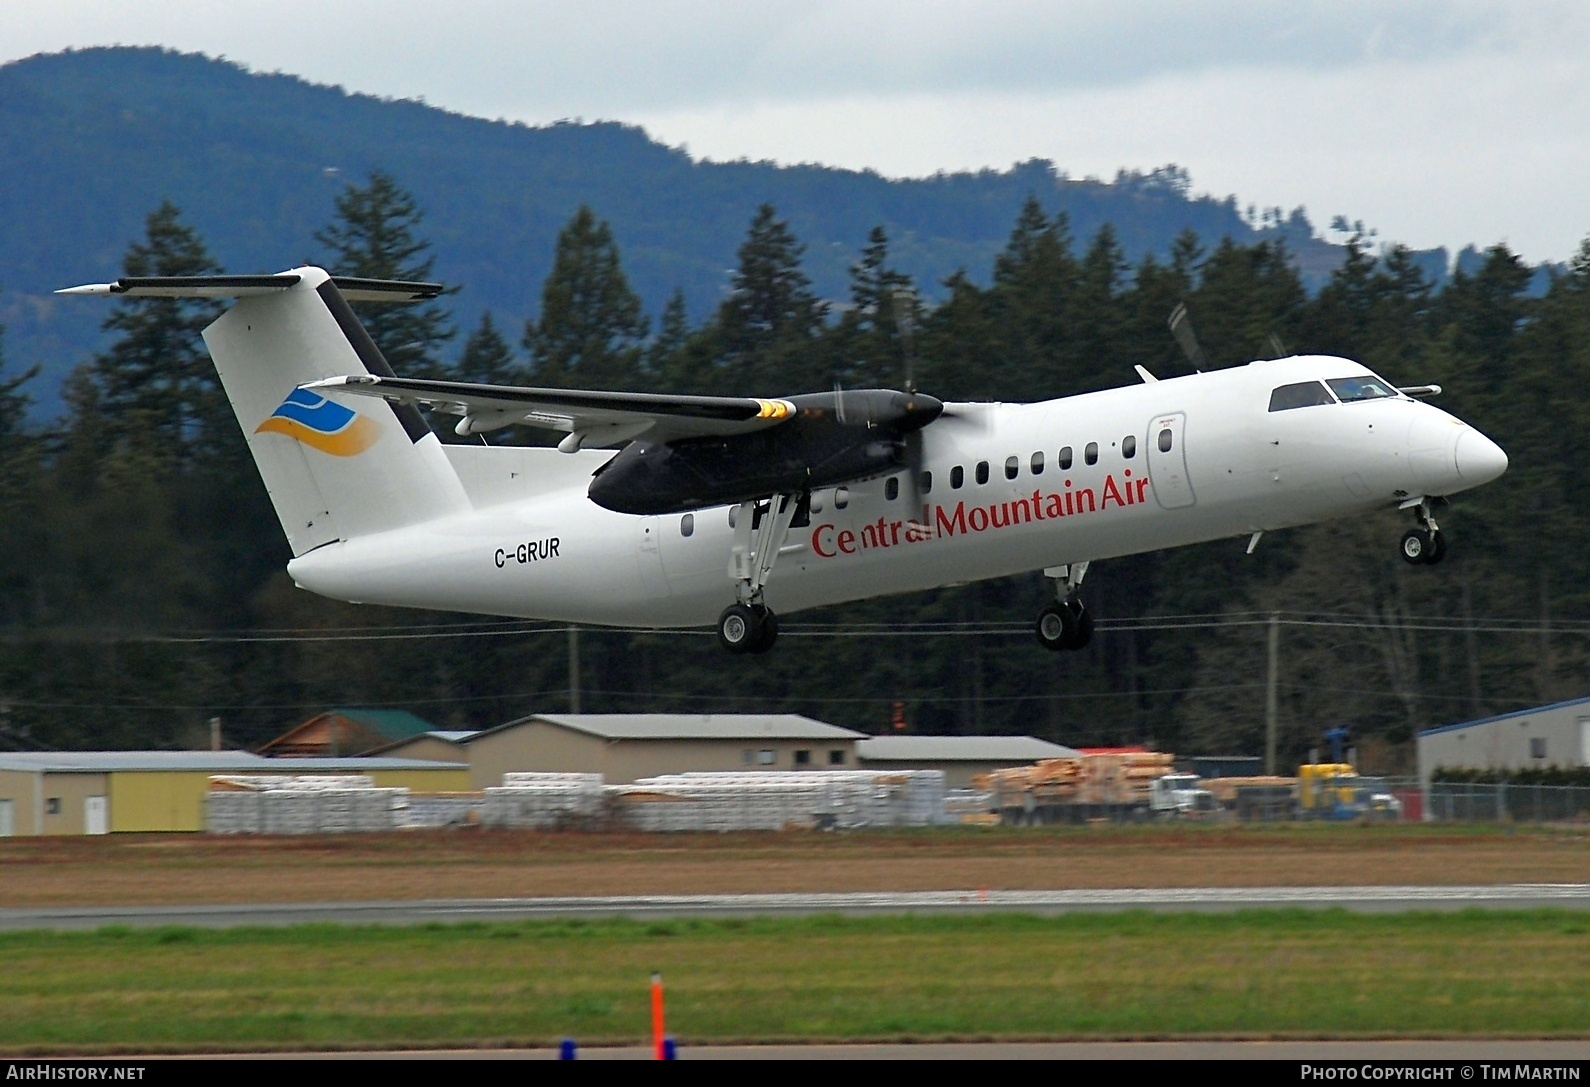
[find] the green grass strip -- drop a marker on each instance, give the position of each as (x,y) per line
(1270,973)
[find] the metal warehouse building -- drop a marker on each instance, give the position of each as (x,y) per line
(959,757)
(625,746)
(1555,735)
(98,792)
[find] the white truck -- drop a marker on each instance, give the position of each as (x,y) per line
(1177,796)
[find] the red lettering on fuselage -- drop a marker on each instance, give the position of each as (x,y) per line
(830,541)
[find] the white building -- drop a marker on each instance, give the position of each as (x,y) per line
(1556,735)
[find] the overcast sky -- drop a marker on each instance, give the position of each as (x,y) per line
(1439,123)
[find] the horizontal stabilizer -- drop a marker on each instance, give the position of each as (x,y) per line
(352,288)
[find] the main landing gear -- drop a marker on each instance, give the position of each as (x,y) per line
(1424,545)
(1065,624)
(760,529)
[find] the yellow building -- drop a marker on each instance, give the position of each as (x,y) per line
(100,792)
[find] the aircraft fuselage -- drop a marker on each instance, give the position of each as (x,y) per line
(1013,488)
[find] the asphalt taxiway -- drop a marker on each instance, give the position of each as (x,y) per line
(1506,896)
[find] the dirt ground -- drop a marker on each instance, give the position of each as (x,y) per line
(194,868)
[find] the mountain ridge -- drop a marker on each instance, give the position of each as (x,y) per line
(91,140)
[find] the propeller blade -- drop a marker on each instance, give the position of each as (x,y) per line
(1277,348)
(913,476)
(903,321)
(1181,328)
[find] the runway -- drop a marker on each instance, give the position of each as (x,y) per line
(1509,896)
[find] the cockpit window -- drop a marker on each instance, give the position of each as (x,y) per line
(1304,394)
(1360,388)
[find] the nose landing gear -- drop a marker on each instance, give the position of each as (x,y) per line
(1424,545)
(1065,624)
(760,529)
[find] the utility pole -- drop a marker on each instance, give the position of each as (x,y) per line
(1271,703)
(215,734)
(574,669)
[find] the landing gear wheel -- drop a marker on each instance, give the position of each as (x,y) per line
(1064,626)
(1057,627)
(1437,549)
(1421,547)
(738,628)
(1084,620)
(766,629)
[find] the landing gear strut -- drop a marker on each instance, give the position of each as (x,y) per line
(1065,624)
(760,529)
(1424,545)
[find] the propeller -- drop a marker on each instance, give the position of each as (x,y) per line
(1181,328)
(904,314)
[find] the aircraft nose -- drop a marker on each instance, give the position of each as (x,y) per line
(1479,460)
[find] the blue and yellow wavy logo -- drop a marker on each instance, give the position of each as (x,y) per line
(327,426)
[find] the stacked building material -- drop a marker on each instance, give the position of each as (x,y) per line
(1122,777)
(778,800)
(528,801)
(969,806)
(239,804)
(444,809)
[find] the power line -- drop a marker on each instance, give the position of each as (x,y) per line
(995,628)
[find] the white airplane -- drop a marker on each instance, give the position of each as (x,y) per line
(733,509)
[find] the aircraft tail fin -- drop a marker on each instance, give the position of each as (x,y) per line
(334,471)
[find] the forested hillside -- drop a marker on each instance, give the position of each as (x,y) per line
(141,588)
(91,140)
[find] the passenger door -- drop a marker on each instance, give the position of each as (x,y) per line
(1167,461)
(96,815)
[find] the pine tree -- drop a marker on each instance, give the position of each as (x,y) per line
(374,237)
(1035,281)
(591,324)
(487,358)
(869,332)
(156,387)
(771,296)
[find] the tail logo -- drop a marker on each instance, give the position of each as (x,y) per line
(329,427)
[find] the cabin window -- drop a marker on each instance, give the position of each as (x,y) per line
(734,516)
(927,482)
(817,503)
(891,488)
(1091,453)
(982,472)
(687,525)
(1305,394)
(1129,446)
(1164,440)
(1360,388)
(1037,464)
(957,477)
(1064,459)
(841,497)
(1012,467)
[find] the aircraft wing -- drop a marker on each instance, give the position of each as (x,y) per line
(589,418)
